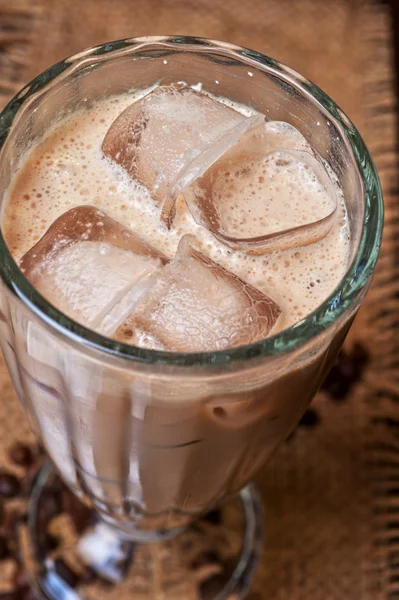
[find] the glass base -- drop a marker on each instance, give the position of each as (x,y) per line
(71,555)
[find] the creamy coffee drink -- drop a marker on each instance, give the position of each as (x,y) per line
(173,220)
(260,186)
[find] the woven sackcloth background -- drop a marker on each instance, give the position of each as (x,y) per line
(331,492)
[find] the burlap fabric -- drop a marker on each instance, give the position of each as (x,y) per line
(332,492)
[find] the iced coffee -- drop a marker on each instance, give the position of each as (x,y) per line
(173,220)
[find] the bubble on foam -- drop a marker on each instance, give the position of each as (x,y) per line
(75,151)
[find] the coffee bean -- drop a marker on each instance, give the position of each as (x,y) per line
(230,565)
(214,517)
(20,454)
(9,485)
(310,418)
(66,572)
(10,524)
(82,516)
(25,593)
(346,372)
(360,355)
(206,557)
(50,505)
(211,587)
(47,542)
(4,550)
(336,384)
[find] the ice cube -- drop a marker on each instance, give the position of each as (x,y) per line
(275,135)
(197,305)
(268,192)
(170,137)
(91,268)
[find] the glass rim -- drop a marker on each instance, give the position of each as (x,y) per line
(325,315)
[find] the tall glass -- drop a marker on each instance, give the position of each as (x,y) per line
(153,440)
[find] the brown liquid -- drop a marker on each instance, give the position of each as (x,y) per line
(67,169)
(151,448)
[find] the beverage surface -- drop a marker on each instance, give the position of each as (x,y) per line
(208,263)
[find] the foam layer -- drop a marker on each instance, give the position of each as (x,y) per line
(68,169)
